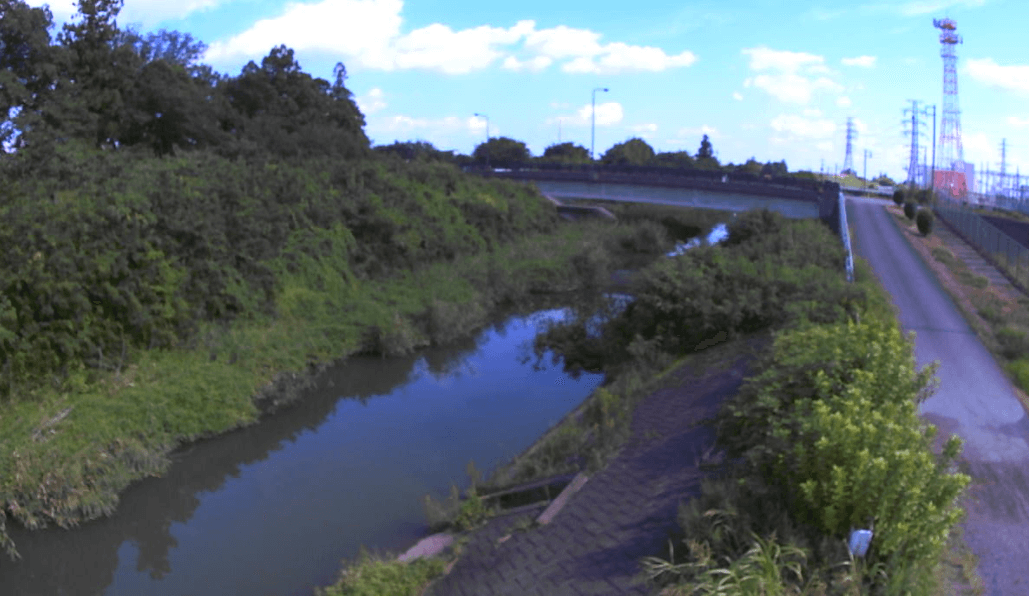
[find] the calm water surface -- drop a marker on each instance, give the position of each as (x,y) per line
(271,509)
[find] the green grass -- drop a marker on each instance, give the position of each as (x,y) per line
(384,576)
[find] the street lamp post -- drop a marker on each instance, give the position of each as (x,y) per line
(593,123)
(486,146)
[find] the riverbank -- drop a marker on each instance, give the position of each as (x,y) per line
(772,511)
(68,452)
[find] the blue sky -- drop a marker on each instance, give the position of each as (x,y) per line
(763,78)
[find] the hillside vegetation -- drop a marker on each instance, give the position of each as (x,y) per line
(182,247)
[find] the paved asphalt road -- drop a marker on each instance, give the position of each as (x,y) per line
(975,400)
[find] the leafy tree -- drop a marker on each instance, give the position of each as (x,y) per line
(773,168)
(99,74)
(501,151)
(566,153)
(280,109)
(752,166)
(706,155)
(706,151)
(884,180)
(26,64)
(634,152)
(415,151)
(675,159)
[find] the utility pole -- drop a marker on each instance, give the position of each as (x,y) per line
(932,177)
(865,174)
(486,146)
(593,122)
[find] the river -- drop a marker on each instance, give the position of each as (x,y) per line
(272,509)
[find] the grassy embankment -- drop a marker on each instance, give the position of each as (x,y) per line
(154,302)
(778,515)
(999,315)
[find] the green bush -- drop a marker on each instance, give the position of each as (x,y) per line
(775,272)
(944,256)
(910,209)
(924,220)
(833,421)
(898,196)
(1020,370)
(1014,343)
(647,237)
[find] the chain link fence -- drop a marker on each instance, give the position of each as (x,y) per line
(1003,251)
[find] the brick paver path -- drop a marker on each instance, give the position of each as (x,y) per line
(625,512)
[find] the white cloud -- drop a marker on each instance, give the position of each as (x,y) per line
(535,64)
(367,33)
(446,124)
(762,58)
(799,126)
(862,61)
(794,88)
(790,77)
(825,146)
(146,12)
(1018,122)
(916,8)
(371,102)
(1012,78)
(563,42)
(358,30)
(700,131)
(737,96)
(843,101)
(608,114)
(812,113)
(643,128)
(454,52)
(619,57)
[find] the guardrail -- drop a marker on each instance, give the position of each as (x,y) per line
(1001,250)
(845,235)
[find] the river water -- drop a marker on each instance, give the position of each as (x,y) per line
(273,508)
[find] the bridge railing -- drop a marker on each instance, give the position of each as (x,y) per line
(1001,250)
(823,193)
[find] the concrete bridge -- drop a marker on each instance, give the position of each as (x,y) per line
(793,198)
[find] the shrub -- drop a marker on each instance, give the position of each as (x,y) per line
(1020,370)
(1014,343)
(924,219)
(833,421)
(898,196)
(910,209)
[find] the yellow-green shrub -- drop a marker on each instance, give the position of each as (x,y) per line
(833,422)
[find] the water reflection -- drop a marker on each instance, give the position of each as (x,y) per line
(272,508)
(717,234)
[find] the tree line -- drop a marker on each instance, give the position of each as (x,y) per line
(505,151)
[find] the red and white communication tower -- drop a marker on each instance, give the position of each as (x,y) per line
(950,171)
